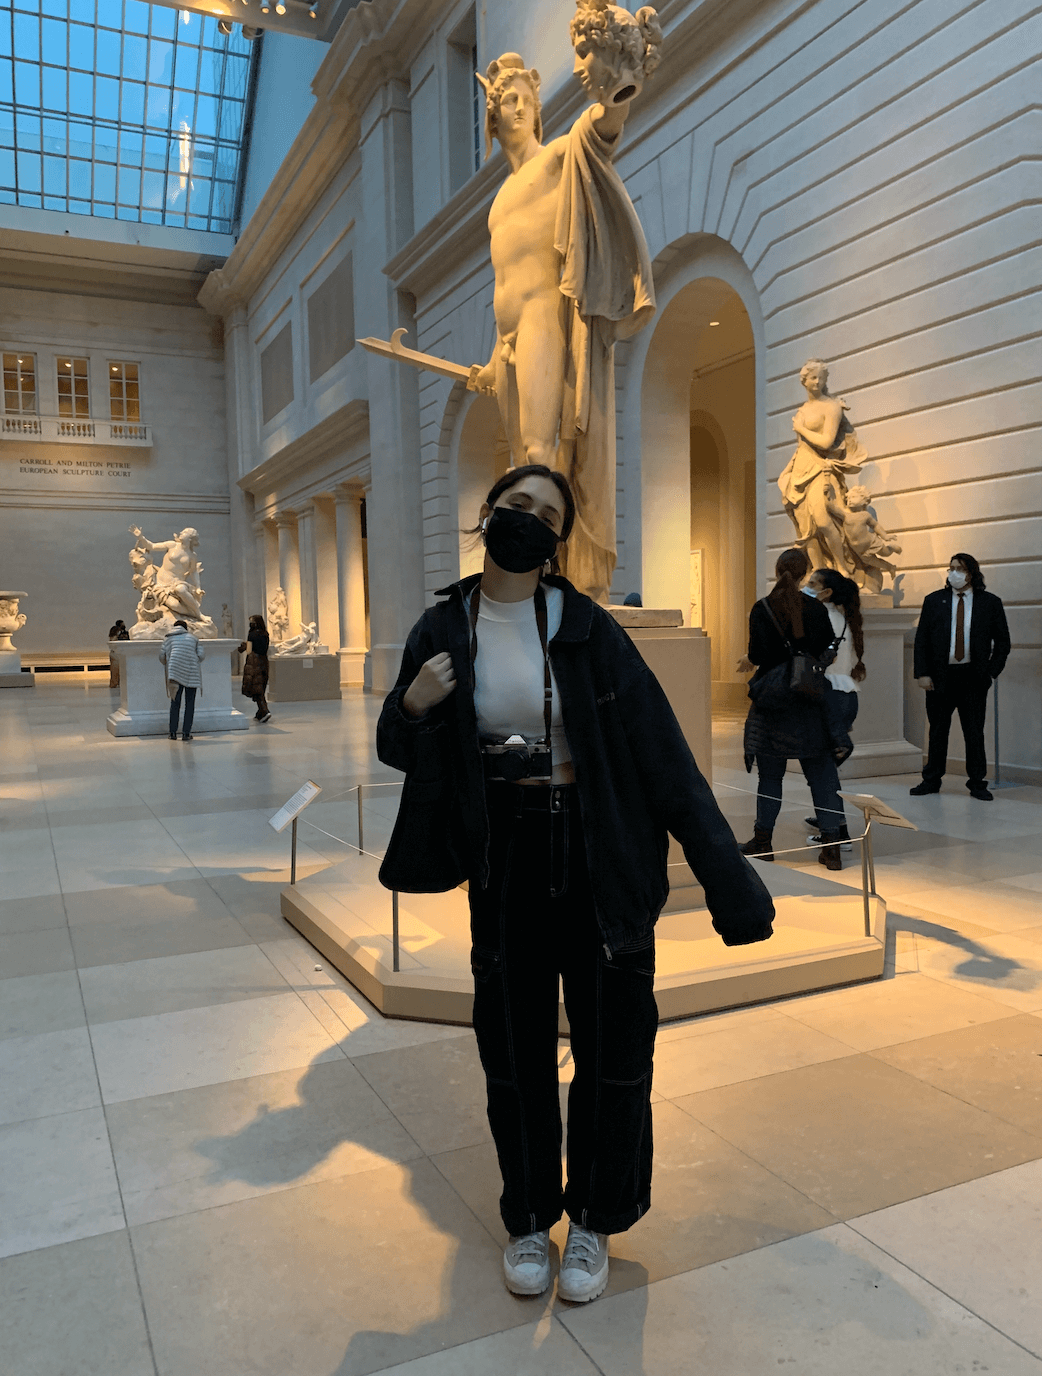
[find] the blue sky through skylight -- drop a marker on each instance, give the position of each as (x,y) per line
(121,109)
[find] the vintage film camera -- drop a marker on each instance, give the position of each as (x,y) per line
(515,759)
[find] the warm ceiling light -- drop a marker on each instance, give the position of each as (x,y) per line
(68,365)
(115,369)
(280,8)
(714,322)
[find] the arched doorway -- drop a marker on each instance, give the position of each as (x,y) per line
(698,470)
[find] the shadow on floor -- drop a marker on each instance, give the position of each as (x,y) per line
(981,964)
(272,1150)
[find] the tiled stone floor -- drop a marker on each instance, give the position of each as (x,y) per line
(218,1160)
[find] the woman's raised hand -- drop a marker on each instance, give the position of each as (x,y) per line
(432,685)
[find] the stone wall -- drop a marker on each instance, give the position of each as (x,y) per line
(65,507)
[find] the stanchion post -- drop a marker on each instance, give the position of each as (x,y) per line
(293,853)
(866,847)
(359,819)
(394,931)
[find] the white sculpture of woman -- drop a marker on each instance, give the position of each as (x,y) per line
(278,616)
(572,271)
(828,450)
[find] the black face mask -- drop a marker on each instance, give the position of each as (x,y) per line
(518,541)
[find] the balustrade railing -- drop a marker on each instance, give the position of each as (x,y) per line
(67,430)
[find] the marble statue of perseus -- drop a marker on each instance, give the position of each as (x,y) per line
(572,272)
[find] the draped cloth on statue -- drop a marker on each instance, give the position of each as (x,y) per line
(606,274)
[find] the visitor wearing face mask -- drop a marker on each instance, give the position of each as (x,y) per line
(545,766)
(961,646)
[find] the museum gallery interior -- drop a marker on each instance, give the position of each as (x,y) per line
(285,289)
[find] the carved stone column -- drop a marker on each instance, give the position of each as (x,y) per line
(289,565)
(350,585)
(308,563)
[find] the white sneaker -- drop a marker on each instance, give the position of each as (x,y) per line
(584,1266)
(526,1263)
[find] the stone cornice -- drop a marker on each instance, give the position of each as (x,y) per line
(374,45)
(345,426)
(318,152)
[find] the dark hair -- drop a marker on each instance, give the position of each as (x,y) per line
(120,622)
(182,623)
(846,596)
(785,597)
(973,569)
(257,622)
(513,476)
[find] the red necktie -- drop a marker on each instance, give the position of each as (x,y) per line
(960,631)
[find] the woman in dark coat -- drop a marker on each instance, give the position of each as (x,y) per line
(801,729)
(255,672)
(544,764)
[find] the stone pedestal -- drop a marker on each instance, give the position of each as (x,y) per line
(304,678)
(679,657)
(144,708)
(878,734)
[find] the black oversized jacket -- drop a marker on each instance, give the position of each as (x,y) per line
(635,775)
(989,636)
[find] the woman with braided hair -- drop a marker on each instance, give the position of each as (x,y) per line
(842,601)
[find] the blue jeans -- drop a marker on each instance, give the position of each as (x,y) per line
(819,771)
(175,709)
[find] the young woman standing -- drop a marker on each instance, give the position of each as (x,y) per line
(545,766)
(842,601)
(802,729)
(255,670)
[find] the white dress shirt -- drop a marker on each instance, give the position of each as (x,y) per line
(967,602)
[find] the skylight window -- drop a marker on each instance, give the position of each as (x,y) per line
(121,109)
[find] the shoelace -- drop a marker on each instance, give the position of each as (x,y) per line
(530,1247)
(582,1246)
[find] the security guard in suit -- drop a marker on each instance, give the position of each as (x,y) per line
(961,645)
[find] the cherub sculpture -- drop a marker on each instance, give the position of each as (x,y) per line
(866,541)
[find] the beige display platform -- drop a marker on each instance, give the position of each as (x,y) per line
(819,942)
(303,678)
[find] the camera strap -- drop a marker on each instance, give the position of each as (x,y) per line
(541,623)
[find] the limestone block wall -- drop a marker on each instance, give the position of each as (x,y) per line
(65,508)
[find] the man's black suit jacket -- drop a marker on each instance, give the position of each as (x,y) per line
(989,636)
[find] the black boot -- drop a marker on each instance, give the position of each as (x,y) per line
(760,845)
(829,855)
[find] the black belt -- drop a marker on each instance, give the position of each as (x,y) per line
(529,797)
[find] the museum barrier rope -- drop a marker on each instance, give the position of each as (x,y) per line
(868,869)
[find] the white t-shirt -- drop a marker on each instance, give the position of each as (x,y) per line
(839,670)
(508,672)
(967,605)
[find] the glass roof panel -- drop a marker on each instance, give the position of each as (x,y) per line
(122,109)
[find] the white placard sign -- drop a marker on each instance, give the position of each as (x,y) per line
(878,810)
(296,805)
